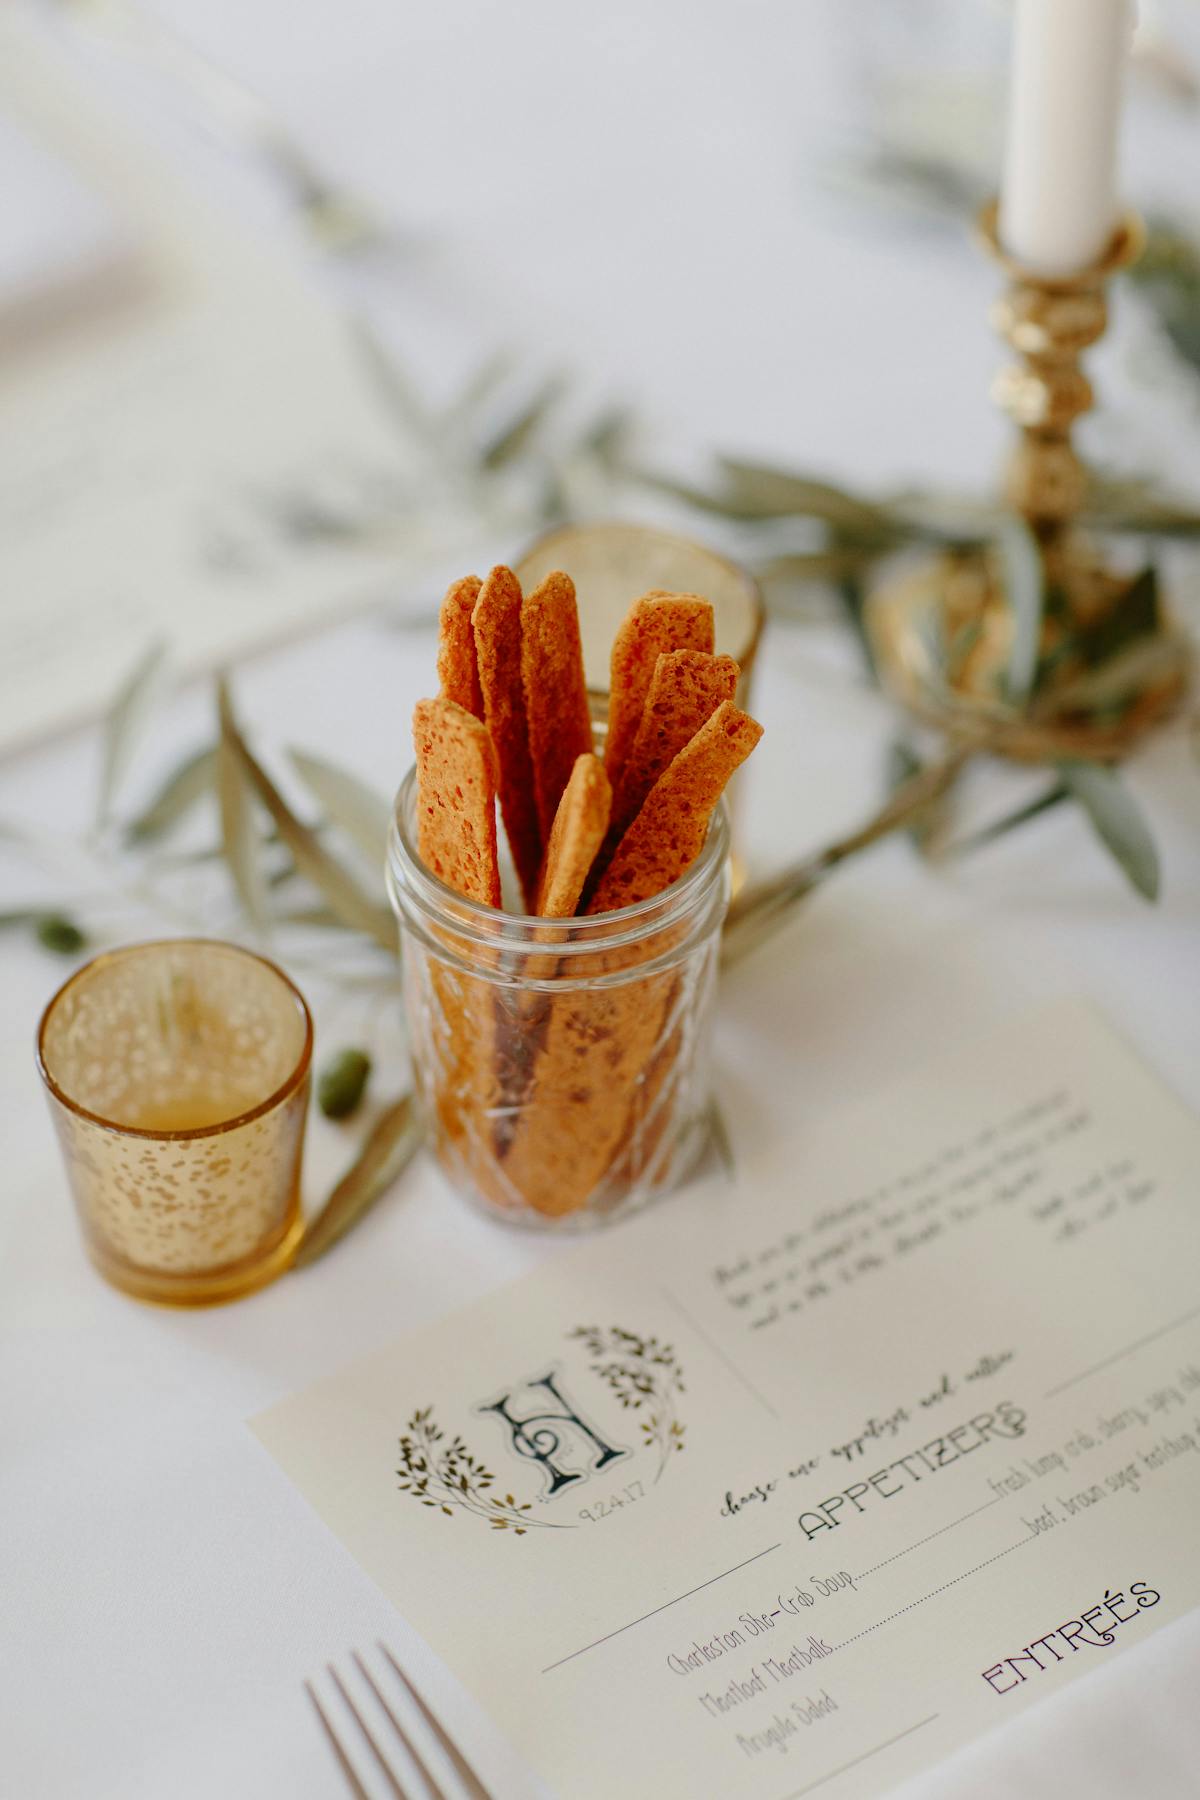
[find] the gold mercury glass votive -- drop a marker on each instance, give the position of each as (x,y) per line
(178,1079)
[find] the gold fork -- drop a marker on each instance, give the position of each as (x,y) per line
(468,1784)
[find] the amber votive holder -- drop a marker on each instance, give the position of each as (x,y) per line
(178,1077)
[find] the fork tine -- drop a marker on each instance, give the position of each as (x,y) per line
(353,1783)
(377,1753)
(435,1791)
(466,1774)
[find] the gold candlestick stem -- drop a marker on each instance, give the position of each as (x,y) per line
(943,634)
(1049,322)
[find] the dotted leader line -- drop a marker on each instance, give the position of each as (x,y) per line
(937,1590)
(928,1540)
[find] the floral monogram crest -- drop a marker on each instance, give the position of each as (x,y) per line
(643,1376)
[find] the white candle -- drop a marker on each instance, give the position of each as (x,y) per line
(1058,205)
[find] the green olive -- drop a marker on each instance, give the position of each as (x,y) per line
(342,1083)
(60,934)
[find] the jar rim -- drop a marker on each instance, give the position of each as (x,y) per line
(600,932)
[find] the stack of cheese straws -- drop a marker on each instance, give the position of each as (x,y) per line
(587,835)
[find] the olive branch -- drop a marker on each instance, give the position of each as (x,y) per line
(444,1473)
(644,1375)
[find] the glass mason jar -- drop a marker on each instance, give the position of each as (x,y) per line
(561,1066)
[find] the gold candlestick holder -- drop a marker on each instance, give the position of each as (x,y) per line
(947,633)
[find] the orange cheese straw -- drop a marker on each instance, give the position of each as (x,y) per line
(578,832)
(496,621)
(656,623)
(456,811)
(668,833)
(686,688)
(457,673)
(556,704)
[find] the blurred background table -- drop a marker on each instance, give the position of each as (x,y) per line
(646,197)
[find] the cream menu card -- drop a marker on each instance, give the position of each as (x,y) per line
(793,1486)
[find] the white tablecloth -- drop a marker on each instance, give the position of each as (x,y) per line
(629,190)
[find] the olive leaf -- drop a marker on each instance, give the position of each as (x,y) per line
(391,384)
(1050,797)
(361,813)
(605,437)
(753,493)
(1154,518)
(889,171)
(929,628)
(175,797)
(322,918)
(311,858)
(816,565)
(963,520)
(1117,821)
(478,388)
(1168,277)
(1136,505)
(1111,683)
(718,1132)
(240,837)
(19,915)
(124,723)
(387,1151)
(1024,578)
(758,491)
(515,436)
(853,598)
(695,497)
(927,821)
(1136,614)
(961,646)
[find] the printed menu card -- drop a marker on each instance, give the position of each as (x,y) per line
(803,1479)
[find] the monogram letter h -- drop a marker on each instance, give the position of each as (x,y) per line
(545,1436)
